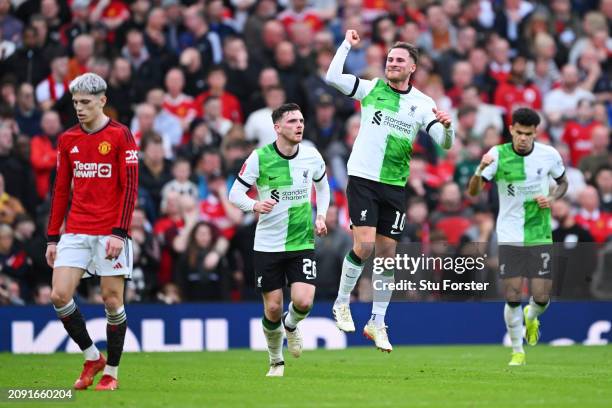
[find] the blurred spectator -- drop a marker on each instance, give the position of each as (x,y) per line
(464,126)
(517,91)
(462,76)
(166,229)
(451,217)
(486,115)
(146,72)
(417,223)
(27,114)
(213,116)
(202,277)
(603,183)
(215,16)
(262,13)
(191,63)
(181,171)
(561,103)
(575,177)
(201,137)
(49,91)
(500,66)
(9,292)
(120,93)
(575,253)
(591,217)
(240,69)
(42,294)
(600,154)
(217,209)
(154,171)
(466,41)
(267,77)
(298,11)
(259,127)
(10,26)
(14,262)
(329,252)
(175,101)
(338,152)
(200,37)
(230,106)
(315,86)
(324,128)
(83,49)
(290,72)
(510,18)
(543,68)
(33,241)
(578,131)
(441,35)
(28,63)
(468,162)
(10,206)
(170,294)
(146,257)
(18,177)
(139,10)
(43,153)
(78,25)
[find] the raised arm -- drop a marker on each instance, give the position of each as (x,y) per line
(345,83)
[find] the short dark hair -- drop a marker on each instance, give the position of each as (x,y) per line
(412,50)
(150,137)
(525,117)
(278,113)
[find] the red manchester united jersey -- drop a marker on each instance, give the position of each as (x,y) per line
(103,169)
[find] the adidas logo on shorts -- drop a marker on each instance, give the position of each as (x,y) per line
(118,266)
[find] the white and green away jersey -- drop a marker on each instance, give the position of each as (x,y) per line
(520,178)
(288,180)
(390,121)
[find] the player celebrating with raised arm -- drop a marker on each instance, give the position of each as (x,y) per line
(284,172)
(100,159)
(521,170)
(392,113)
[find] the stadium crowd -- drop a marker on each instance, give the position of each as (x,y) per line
(196,81)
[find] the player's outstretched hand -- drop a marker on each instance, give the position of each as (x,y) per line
(50,254)
(443,117)
(320,227)
(114,245)
(265,206)
(487,159)
(352,37)
(543,202)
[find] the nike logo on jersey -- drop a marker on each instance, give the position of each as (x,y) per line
(381,99)
(395,232)
(74,150)
(542,273)
(273,178)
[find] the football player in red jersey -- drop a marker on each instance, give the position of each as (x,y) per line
(99,158)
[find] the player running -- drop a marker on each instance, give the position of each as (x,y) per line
(284,172)
(521,170)
(100,159)
(392,113)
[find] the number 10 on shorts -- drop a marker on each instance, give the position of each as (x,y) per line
(309,268)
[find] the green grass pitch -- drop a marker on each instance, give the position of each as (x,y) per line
(456,376)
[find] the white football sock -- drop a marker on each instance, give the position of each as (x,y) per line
(294,317)
(350,274)
(112,371)
(274,339)
(91,353)
(513,317)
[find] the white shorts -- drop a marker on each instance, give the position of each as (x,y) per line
(88,252)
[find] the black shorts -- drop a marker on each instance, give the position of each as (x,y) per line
(530,262)
(275,270)
(374,204)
